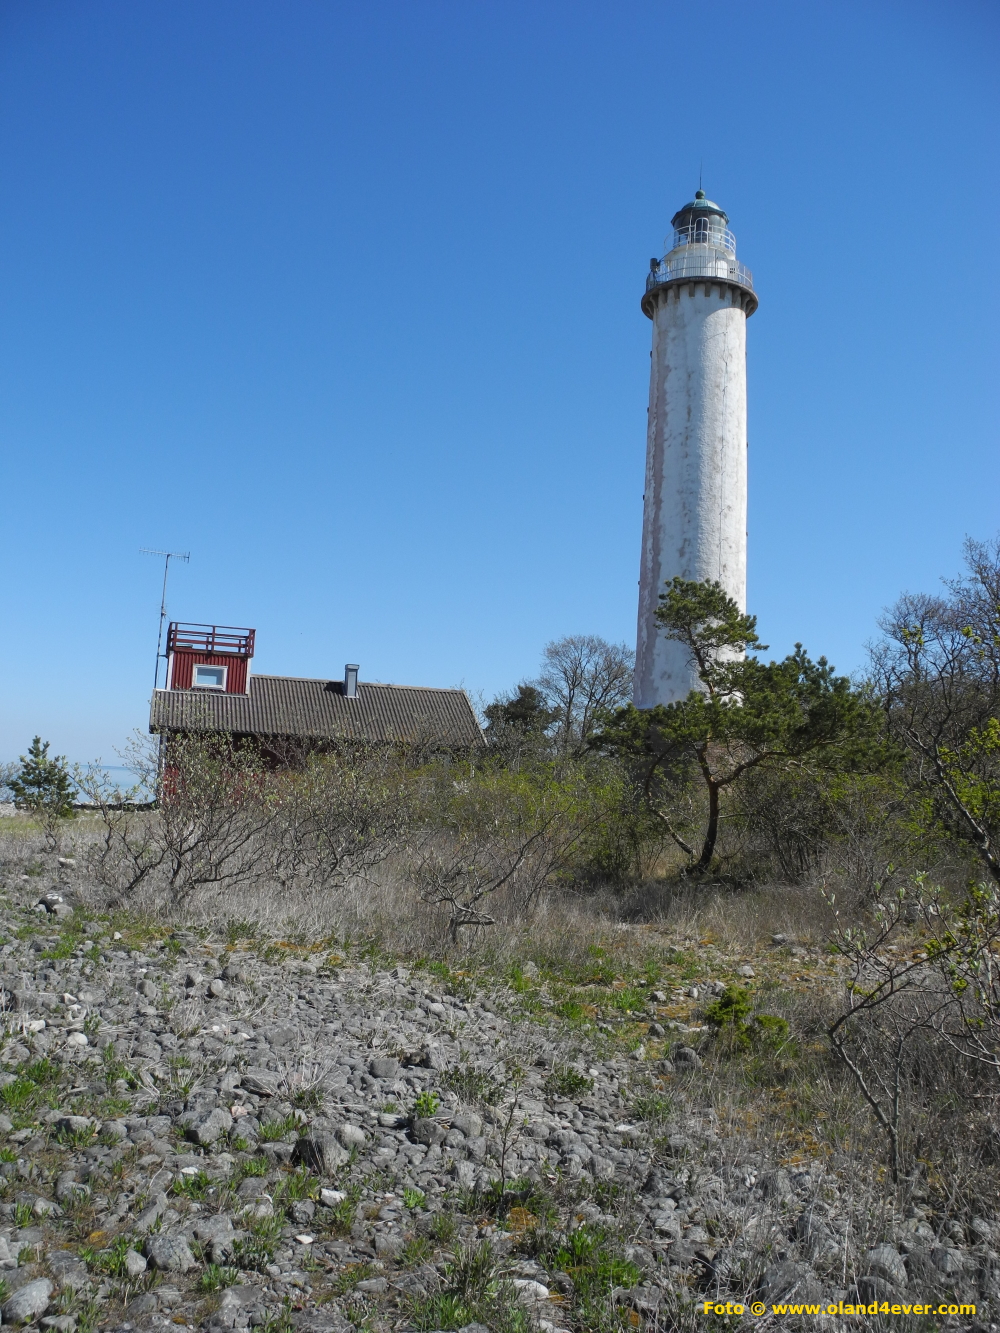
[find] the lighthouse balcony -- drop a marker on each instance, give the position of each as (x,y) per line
(702,261)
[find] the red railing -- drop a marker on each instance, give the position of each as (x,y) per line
(183,638)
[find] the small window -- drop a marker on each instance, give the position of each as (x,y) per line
(210,677)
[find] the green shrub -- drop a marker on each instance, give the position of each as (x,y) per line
(273,1130)
(214,1278)
(426,1105)
(255,1166)
(730,1016)
(566,1082)
(192,1187)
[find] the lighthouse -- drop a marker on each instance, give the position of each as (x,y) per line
(695,506)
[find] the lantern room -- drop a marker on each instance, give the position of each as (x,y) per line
(214,658)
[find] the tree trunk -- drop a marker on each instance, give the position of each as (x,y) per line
(712,831)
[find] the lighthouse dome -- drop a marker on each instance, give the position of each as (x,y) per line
(700,207)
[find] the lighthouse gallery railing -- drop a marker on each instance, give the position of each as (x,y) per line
(699,262)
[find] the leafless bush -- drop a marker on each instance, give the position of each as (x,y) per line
(226,821)
(498,832)
(337,815)
(920,1026)
(938,674)
(208,830)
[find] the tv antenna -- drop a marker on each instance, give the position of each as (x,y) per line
(168,556)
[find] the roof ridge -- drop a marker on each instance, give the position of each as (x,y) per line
(362,684)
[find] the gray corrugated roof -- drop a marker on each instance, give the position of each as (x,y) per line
(288,706)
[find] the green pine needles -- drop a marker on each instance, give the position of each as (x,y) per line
(43,785)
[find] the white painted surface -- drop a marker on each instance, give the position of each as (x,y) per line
(695,509)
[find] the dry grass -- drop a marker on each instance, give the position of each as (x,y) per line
(796,1109)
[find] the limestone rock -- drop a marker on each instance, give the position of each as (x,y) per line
(320,1153)
(885,1261)
(28,1302)
(206,1129)
(169,1253)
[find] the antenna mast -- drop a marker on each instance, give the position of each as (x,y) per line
(168,556)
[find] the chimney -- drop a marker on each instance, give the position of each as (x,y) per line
(351,680)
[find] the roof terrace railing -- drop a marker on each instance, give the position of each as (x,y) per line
(184,638)
(703,264)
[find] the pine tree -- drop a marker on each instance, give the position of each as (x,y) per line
(746,714)
(43,785)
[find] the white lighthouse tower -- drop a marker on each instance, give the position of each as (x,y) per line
(695,513)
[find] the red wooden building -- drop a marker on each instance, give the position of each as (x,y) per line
(212,689)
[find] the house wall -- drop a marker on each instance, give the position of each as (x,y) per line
(182,667)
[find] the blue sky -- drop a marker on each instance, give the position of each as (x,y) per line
(344,299)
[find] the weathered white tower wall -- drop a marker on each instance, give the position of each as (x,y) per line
(695,506)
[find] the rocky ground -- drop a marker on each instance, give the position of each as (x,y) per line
(199,1132)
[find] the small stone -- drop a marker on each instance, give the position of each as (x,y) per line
(468,1123)
(135,1264)
(28,1302)
(383,1068)
(777,1185)
(207,1129)
(68,1187)
(319,1152)
(74,1124)
(351,1136)
(77,1039)
(685,1057)
(948,1260)
(261,1082)
(331,1198)
(428,1131)
(790,1280)
(151,1213)
(373,1286)
(169,1253)
(529,1292)
(217,988)
(433,1057)
(464,1174)
(657,1030)
(885,1261)
(745,970)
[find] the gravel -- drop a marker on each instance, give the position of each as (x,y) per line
(257,1111)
